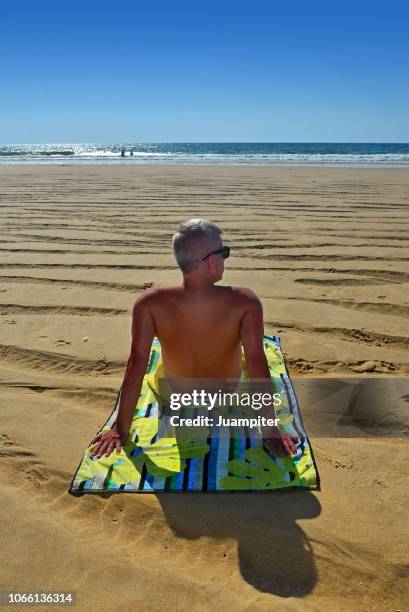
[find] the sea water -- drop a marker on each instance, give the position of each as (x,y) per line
(321,154)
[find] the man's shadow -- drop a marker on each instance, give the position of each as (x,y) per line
(275,555)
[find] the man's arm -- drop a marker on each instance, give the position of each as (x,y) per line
(143,332)
(252,333)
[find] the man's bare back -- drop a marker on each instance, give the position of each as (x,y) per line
(199,329)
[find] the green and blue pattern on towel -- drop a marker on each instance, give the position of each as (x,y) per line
(233,460)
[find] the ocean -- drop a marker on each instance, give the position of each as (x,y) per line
(321,154)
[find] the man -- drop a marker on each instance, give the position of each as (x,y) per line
(201,327)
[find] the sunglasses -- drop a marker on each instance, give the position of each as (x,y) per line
(224,251)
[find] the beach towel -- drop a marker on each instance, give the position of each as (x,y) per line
(233,459)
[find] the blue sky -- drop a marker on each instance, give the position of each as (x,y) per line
(176,71)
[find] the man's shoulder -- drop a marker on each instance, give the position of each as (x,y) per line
(153,295)
(243,297)
(245,294)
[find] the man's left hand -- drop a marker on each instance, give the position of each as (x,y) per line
(280,443)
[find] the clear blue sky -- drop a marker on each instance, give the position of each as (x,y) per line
(204,70)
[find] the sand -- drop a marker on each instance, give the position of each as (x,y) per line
(326,249)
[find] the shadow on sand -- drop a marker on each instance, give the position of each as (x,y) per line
(275,555)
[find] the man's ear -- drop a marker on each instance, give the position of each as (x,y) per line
(207,261)
(212,260)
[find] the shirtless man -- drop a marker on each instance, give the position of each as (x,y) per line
(201,327)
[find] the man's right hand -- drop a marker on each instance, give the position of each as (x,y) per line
(107,442)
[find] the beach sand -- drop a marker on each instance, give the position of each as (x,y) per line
(326,249)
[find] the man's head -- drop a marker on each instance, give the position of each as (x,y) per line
(194,240)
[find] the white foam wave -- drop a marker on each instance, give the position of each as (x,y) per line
(118,154)
(309,158)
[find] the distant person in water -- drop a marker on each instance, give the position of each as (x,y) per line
(131,153)
(123,153)
(201,327)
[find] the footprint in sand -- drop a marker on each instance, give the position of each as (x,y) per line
(60,342)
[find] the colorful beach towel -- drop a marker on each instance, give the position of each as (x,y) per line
(234,459)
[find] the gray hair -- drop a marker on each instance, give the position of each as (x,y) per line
(192,241)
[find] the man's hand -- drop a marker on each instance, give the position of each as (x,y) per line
(107,441)
(280,443)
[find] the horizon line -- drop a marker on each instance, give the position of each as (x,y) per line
(211,142)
